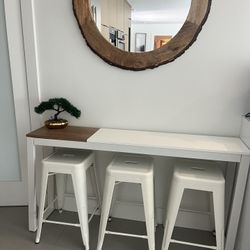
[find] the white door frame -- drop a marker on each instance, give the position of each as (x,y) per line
(31,58)
(15,192)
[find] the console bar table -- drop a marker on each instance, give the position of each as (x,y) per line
(228,149)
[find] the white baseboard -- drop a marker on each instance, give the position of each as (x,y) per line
(135,211)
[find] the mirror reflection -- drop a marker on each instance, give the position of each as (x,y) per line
(139,25)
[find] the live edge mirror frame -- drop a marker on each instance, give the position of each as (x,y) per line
(197,16)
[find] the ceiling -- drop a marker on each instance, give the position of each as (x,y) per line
(159,11)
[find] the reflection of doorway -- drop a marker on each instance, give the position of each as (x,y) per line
(129,39)
(140,42)
(161,40)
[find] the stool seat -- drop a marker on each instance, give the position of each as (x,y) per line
(130,169)
(201,175)
(64,161)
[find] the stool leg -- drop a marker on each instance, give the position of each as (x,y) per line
(44,181)
(211,209)
(80,189)
(95,184)
(218,196)
(174,202)
(148,201)
(60,189)
(155,213)
(106,202)
(113,200)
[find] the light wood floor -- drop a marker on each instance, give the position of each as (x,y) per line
(14,234)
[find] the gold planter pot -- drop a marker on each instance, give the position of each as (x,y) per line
(55,124)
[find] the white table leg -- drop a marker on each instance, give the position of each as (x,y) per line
(230,179)
(237,203)
(31,156)
(51,184)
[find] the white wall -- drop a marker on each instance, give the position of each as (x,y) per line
(205,91)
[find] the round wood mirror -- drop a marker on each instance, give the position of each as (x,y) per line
(188,33)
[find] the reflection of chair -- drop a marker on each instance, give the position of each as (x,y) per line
(159,41)
(74,163)
(142,48)
(133,169)
(205,176)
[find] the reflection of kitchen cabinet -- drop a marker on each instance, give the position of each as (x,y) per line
(126,23)
(113,12)
(108,12)
(120,15)
(116,13)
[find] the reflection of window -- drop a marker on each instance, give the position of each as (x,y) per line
(93,12)
(140,42)
(161,40)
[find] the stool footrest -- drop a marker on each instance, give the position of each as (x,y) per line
(62,223)
(50,205)
(129,235)
(93,213)
(192,244)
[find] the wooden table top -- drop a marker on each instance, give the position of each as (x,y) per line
(70,133)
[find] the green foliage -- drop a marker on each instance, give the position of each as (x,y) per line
(59,105)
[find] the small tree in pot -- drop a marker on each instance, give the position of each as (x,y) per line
(59,105)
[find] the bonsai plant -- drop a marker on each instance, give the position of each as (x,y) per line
(59,105)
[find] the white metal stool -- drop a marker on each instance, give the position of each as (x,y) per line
(74,163)
(196,175)
(132,169)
